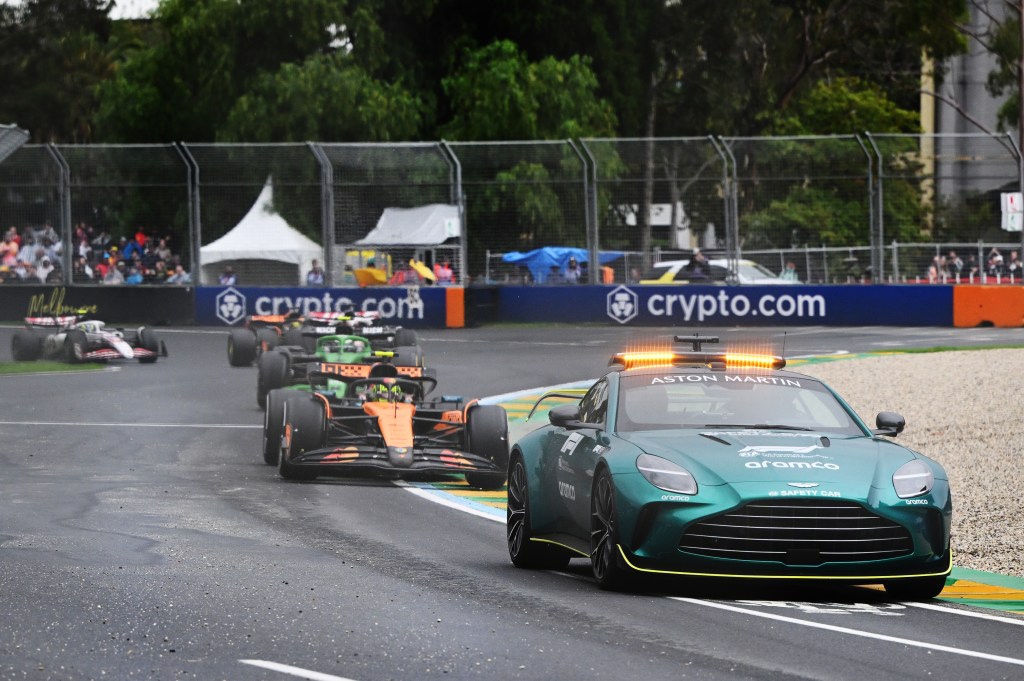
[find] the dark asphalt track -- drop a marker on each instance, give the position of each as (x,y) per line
(141,536)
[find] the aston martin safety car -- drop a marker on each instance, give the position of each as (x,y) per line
(713,464)
(287,365)
(260,333)
(384,425)
(76,339)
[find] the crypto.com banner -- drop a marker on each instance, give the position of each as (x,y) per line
(854,305)
(411,307)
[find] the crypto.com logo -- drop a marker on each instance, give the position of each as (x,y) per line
(623,305)
(230,306)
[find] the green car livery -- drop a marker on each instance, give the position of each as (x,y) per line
(702,464)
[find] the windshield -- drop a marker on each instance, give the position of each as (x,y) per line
(658,401)
(753,270)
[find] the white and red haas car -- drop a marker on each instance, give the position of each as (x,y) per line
(74,339)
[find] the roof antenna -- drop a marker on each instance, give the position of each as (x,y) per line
(784,333)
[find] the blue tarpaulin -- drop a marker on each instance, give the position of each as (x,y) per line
(540,261)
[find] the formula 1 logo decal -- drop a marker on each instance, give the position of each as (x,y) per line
(230,306)
(623,305)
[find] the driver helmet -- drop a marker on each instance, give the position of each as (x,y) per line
(382,392)
(331,346)
(353,345)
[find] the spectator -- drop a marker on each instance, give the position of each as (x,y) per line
(315,276)
(405,276)
(129,247)
(227,277)
(555,276)
(443,272)
(697,267)
(9,251)
(180,276)
(1013,268)
(789,274)
(81,273)
(115,274)
(134,276)
(572,272)
(157,275)
(163,251)
(994,266)
(954,264)
(44,268)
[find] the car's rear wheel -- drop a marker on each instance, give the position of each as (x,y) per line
(76,344)
(294,337)
(406,337)
(305,427)
(487,436)
(26,346)
(149,341)
(267,338)
(273,370)
(604,535)
(408,356)
(916,589)
(241,347)
(524,552)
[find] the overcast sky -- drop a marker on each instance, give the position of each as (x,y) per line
(125,9)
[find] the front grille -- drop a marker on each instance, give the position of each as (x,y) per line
(798,532)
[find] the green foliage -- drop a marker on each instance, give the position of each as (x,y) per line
(844,105)
(1003,80)
(498,95)
(326,98)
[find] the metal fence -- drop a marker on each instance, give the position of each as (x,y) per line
(857,208)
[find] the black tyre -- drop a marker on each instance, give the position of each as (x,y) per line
(487,436)
(523,552)
(305,423)
(604,535)
(293,337)
(406,337)
(266,339)
(76,344)
(273,423)
(241,347)
(408,356)
(918,589)
(149,341)
(26,346)
(274,369)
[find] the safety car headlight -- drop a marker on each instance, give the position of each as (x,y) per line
(913,479)
(666,475)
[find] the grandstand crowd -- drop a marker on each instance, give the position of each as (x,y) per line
(35,255)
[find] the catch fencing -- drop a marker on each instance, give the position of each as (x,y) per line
(854,208)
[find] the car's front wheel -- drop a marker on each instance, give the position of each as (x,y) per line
(305,427)
(241,347)
(916,589)
(524,552)
(272,372)
(604,535)
(149,341)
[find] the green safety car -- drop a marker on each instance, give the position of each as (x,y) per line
(713,464)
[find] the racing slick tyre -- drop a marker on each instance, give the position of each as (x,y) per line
(26,346)
(408,356)
(487,435)
(604,536)
(305,427)
(919,589)
(293,336)
(266,339)
(406,337)
(273,422)
(273,370)
(149,341)
(75,346)
(242,347)
(523,552)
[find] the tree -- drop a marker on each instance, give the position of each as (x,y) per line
(326,98)
(498,95)
(53,53)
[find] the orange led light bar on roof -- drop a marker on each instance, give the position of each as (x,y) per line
(747,360)
(638,360)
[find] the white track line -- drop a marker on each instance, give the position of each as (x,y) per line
(852,632)
(966,613)
(295,671)
(77,424)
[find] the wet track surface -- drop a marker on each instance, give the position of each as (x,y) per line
(141,536)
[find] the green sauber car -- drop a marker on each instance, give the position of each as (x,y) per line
(710,464)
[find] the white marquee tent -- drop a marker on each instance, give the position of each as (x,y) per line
(261,235)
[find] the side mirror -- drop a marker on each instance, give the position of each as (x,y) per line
(889,423)
(564,414)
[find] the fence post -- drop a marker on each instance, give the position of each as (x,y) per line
(326,210)
(64,217)
(732,209)
(593,271)
(195,218)
(460,201)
